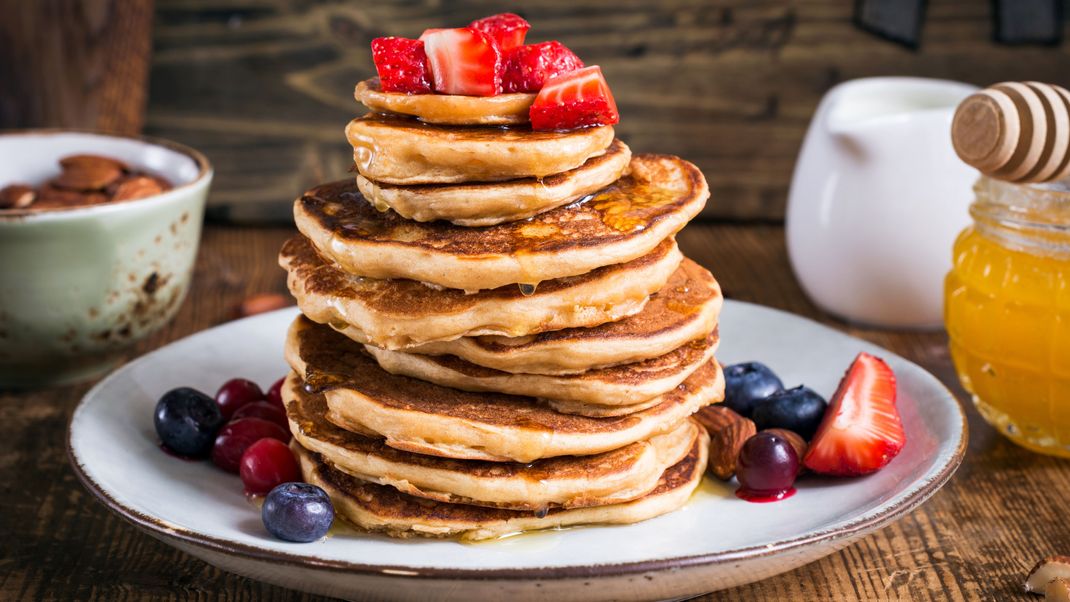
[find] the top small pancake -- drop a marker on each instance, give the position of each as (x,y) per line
(654,200)
(396,150)
(491,203)
(447,109)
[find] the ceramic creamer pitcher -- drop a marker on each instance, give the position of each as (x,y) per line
(877,199)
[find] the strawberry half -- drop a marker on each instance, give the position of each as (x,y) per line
(861,431)
(463,61)
(527,68)
(507,29)
(572,100)
(402,65)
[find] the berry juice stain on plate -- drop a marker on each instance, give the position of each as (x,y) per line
(764,497)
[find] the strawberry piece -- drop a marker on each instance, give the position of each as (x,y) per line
(402,65)
(861,431)
(572,100)
(527,68)
(463,61)
(507,29)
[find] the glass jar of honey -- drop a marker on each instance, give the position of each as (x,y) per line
(1007,311)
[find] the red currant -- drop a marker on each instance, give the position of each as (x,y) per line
(262,409)
(266,464)
(274,394)
(766,467)
(237,436)
(235,393)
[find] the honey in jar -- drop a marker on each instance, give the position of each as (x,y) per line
(1007,311)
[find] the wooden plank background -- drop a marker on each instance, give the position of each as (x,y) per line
(265,86)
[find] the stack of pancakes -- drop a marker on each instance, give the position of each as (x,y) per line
(499,331)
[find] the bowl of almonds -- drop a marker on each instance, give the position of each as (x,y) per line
(98,236)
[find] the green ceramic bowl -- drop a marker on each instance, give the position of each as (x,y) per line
(78,287)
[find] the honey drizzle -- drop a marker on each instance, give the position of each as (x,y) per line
(626,208)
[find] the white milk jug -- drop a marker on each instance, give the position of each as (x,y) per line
(877,198)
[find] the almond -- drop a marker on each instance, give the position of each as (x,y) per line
(51,197)
(728,432)
(1046,571)
(796,441)
(137,187)
(716,417)
(88,176)
(16,196)
(83,160)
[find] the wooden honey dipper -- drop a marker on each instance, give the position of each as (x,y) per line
(1015,131)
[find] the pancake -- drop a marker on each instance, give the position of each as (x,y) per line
(566,482)
(490,203)
(383,509)
(686,308)
(425,418)
(620,385)
(405,151)
(395,314)
(598,410)
(447,109)
(657,197)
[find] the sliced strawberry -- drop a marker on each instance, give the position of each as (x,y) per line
(527,68)
(402,65)
(861,431)
(507,29)
(463,61)
(572,100)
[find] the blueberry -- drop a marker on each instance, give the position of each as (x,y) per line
(799,410)
(187,421)
(297,512)
(746,383)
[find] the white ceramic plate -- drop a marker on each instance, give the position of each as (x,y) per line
(716,541)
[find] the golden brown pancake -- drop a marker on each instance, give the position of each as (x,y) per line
(384,509)
(447,109)
(620,385)
(405,151)
(395,314)
(491,203)
(686,308)
(425,418)
(567,482)
(627,220)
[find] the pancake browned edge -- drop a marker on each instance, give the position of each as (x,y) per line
(624,384)
(395,314)
(397,150)
(568,482)
(685,309)
(447,109)
(383,509)
(425,418)
(653,201)
(490,203)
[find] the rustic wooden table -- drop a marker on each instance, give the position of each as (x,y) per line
(975,539)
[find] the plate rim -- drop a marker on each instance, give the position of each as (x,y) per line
(158,527)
